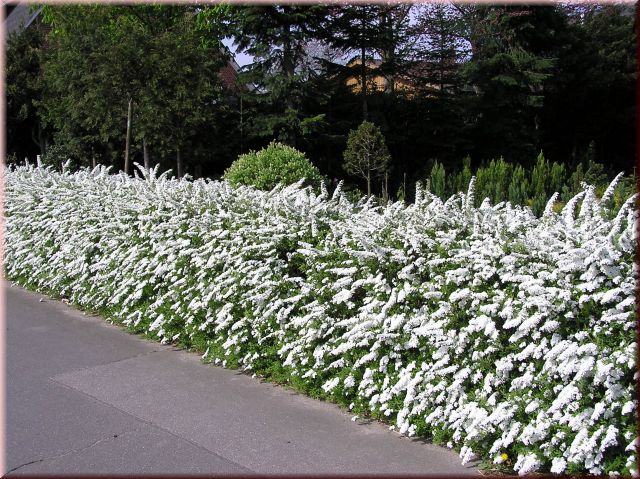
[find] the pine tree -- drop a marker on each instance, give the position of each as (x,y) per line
(508,67)
(591,96)
(277,36)
(356,29)
(459,182)
(518,192)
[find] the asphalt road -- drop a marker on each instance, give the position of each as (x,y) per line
(84,397)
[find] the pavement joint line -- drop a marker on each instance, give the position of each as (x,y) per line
(79,370)
(150,424)
(73,451)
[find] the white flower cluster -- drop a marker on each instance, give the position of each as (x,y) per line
(505,335)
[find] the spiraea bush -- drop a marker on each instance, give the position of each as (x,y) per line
(273,165)
(486,329)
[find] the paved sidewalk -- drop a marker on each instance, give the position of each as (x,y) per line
(85,397)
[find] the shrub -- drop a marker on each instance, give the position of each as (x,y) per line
(275,164)
(492,181)
(511,337)
(437,180)
(460,181)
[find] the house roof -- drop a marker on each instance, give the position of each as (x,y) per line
(229,74)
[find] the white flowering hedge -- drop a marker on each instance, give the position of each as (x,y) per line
(508,337)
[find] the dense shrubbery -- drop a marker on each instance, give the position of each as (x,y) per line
(499,181)
(487,329)
(277,163)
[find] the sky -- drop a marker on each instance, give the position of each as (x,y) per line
(242,59)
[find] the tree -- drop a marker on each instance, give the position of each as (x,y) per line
(148,67)
(546,179)
(77,102)
(184,96)
(277,36)
(25,133)
(440,48)
(355,28)
(439,57)
(591,96)
(518,192)
(510,61)
(366,155)
(396,42)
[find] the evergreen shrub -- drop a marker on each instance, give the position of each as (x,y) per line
(273,165)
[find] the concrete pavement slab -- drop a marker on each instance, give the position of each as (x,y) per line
(75,381)
(148,450)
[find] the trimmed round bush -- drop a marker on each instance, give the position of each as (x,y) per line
(277,163)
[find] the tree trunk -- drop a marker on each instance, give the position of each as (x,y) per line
(128,140)
(241,132)
(145,155)
(179,164)
(363,71)
(41,140)
(93,159)
(385,190)
(363,74)
(369,183)
(388,52)
(288,69)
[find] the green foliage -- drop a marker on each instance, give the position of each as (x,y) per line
(492,181)
(509,65)
(460,180)
(518,192)
(437,180)
(23,91)
(589,99)
(442,81)
(100,57)
(277,163)
(502,181)
(276,37)
(546,179)
(58,156)
(366,155)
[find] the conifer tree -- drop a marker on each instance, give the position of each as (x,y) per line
(507,69)
(276,36)
(437,180)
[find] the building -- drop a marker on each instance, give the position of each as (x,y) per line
(410,82)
